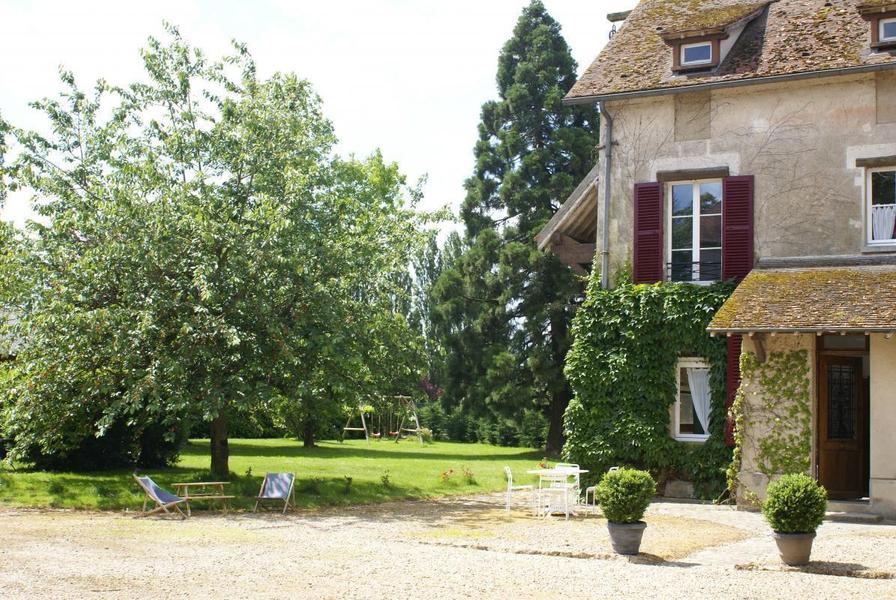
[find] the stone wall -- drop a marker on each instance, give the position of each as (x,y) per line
(799,139)
(768,417)
(883,425)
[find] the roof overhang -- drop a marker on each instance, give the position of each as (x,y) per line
(577,215)
(724,83)
(876,8)
(811,300)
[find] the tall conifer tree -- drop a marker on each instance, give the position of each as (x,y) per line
(512,304)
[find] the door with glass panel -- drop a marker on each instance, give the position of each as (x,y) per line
(695,226)
(842,427)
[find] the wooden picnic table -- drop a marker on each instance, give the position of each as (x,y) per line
(207,490)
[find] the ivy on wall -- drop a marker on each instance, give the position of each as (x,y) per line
(627,342)
(778,420)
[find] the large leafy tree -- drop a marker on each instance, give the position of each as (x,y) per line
(204,251)
(510,304)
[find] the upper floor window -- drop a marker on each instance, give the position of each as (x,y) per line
(695,230)
(881,207)
(693,55)
(693,405)
(887,30)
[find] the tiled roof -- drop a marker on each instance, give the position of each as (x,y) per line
(822,299)
(788,37)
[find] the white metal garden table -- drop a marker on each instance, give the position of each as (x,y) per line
(554,489)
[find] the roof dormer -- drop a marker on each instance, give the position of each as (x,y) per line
(881,14)
(703,43)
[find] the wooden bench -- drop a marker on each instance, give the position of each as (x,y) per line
(207,490)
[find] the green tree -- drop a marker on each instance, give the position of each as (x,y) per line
(512,333)
(205,252)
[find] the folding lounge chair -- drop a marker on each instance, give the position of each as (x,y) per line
(164,500)
(277,487)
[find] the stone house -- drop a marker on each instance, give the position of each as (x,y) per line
(756,141)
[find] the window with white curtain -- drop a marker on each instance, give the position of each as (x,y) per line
(693,405)
(881,206)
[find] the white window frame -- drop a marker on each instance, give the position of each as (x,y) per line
(695,63)
(695,230)
(869,232)
(880,32)
(684,363)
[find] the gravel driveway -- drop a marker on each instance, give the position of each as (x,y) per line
(455,548)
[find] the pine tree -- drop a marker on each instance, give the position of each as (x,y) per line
(512,325)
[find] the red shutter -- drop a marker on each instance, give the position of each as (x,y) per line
(648,251)
(732,382)
(737,227)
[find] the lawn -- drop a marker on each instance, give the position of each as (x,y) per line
(331,474)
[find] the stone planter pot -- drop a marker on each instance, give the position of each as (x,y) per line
(794,548)
(626,537)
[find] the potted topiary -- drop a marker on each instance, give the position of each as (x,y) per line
(794,508)
(623,496)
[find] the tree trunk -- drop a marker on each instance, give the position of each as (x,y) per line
(559,402)
(308,433)
(220,450)
(561,394)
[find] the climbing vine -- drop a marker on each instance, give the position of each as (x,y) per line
(774,404)
(627,342)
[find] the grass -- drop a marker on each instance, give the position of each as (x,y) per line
(331,474)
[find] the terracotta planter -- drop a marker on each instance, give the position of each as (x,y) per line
(794,548)
(626,537)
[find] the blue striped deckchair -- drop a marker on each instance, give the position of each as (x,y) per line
(277,487)
(164,500)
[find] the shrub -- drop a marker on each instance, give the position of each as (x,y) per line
(795,504)
(469,477)
(312,486)
(624,494)
(386,480)
(426,435)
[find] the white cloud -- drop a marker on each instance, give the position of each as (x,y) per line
(405,76)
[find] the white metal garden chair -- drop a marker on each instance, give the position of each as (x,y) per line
(590,491)
(554,494)
(515,488)
(573,468)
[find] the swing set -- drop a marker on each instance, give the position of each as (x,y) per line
(398,411)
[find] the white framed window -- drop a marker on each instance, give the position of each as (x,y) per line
(692,409)
(880,207)
(694,226)
(887,31)
(696,54)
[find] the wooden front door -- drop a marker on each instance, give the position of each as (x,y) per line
(842,427)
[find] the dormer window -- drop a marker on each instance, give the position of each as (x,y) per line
(882,17)
(693,55)
(888,30)
(703,40)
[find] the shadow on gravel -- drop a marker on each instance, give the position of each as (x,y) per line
(823,567)
(653,560)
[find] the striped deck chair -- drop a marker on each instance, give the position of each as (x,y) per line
(277,487)
(163,500)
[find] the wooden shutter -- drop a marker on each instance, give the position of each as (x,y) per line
(732,382)
(737,226)
(648,240)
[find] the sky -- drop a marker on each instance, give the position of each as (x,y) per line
(405,76)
